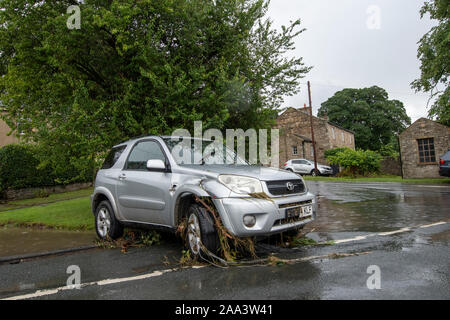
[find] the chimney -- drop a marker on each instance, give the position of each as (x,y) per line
(305,108)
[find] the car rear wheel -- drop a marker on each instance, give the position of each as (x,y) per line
(201,232)
(106,224)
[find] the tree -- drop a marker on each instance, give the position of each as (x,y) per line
(434,56)
(138,67)
(368,112)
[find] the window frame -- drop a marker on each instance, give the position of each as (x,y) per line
(296,151)
(429,157)
(166,162)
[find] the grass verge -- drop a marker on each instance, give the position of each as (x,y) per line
(72,214)
(17,204)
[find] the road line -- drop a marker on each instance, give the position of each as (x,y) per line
(358,238)
(433,224)
(394,232)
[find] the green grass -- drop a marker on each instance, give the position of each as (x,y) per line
(382,179)
(16,204)
(72,214)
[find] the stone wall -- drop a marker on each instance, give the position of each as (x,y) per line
(391,166)
(30,193)
(422,129)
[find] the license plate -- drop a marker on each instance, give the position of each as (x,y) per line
(299,212)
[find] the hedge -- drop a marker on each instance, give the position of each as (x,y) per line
(21,166)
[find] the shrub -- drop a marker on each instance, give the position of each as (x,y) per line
(19,168)
(28,166)
(354,163)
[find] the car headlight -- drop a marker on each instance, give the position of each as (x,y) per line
(241,184)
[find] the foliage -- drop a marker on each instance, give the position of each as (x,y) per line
(333,152)
(369,113)
(19,168)
(359,162)
(434,55)
(139,67)
(26,166)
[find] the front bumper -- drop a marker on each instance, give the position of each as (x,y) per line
(270,214)
(444,171)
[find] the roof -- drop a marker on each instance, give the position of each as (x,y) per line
(318,118)
(423,119)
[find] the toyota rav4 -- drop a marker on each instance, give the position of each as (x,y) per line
(155,181)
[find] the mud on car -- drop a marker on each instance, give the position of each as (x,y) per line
(144,182)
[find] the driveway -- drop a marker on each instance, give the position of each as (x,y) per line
(401,230)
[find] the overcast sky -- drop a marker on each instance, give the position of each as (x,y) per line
(349,47)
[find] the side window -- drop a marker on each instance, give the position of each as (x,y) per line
(141,153)
(303,162)
(112,157)
(296,162)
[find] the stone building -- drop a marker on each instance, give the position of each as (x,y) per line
(295,135)
(4,138)
(421,145)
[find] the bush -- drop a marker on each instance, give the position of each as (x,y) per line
(19,168)
(28,166)
(354,163)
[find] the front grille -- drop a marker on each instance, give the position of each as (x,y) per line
(280,187)
(294,204)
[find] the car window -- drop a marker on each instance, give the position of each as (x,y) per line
(142,152)
(112,157)
(303,162)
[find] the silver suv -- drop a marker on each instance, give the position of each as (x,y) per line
(144,182)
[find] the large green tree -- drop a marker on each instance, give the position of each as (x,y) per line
(368,112)
(434,55)
(138,67)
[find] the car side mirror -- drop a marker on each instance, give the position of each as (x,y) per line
(156,165)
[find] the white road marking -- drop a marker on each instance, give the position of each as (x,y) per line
(394,232)
(41,293)
(433,224)
(358,238)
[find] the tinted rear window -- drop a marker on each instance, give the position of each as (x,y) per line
(112,157)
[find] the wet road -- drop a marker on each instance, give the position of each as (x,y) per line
(402,229)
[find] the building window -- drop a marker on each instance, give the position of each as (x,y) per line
(333,133)
(312,151)
(294,150)
(426,150)
(343,136)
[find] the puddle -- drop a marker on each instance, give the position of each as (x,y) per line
(18,241)
(355,207)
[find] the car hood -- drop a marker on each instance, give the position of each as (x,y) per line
(259,172)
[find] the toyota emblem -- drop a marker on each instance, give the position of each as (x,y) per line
(290,186)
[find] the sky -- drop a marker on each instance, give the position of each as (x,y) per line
(357,44)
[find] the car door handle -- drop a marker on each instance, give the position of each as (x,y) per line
(122,176)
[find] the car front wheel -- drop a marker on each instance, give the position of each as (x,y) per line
(314,173)
(106,224)
(201,233)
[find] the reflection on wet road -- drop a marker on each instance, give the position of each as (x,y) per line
(375,207)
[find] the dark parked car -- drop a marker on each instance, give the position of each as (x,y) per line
(444,165)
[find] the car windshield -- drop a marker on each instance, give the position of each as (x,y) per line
(187,151)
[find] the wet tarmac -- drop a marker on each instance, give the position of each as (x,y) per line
(402,229)
(374,207)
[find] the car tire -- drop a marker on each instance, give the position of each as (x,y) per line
(106,224)
(314,173)
(201,231)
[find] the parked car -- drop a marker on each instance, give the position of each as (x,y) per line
(304,166)
(444,165)
(142,184)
